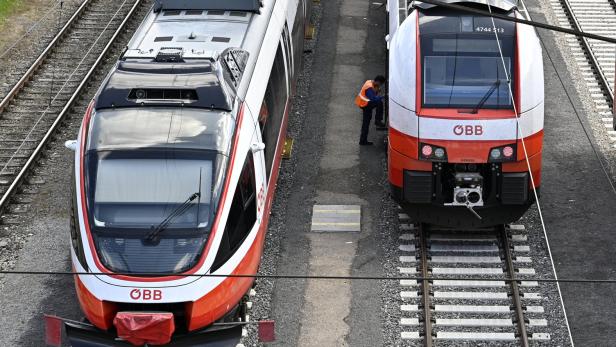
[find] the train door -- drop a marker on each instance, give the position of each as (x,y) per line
(274,105)
(246,207)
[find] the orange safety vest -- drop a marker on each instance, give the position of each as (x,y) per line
(361,100)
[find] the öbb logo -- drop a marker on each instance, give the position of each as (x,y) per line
(468,130)
(146,294)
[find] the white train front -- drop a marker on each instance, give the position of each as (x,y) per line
(466,106)
(175,169)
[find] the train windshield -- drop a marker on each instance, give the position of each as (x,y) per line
(466,70)
(154,178)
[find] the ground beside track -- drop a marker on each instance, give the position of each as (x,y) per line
(578,203)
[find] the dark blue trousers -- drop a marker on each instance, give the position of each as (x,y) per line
(367,117)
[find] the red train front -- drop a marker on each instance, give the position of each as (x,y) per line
(466,115)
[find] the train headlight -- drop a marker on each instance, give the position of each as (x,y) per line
(433,153)
(502,154)
(508,151)
(140,94)
(495,154)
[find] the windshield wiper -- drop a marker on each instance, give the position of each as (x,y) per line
(485,98)
(152,236)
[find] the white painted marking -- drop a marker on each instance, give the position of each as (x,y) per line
(409,308)
(407,270)
(534,309)
(465,336)
(526,271)
(522,260)
(531,296)
(407,227)
(468,283)
(408,295)
(408,283)
(540,337)
(410,335)
(467,271)
(519,238)
(407,248)
(467,260)
(472,322)
(464,248)
(407,259)
(538,322)
(409,321)
(471,295)
(472,308)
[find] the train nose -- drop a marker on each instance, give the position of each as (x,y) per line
(145,328)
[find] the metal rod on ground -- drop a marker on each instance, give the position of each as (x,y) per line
(423,246)
(515,292)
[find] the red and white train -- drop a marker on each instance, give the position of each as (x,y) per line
(456,156)
(175,170)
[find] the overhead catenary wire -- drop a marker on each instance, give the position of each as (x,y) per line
(611,281)
(519,20)
(530,173)
(33,27)
(45,111)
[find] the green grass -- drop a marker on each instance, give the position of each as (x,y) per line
(7,7)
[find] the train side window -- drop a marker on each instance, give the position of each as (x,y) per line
(276,96)
(242,215)
(74,226)
(286,39)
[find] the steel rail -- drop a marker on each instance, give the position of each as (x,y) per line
(603,82)
(52,129)
(42,57)
(425,273)
(515,291)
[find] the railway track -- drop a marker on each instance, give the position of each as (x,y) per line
(595,59)
(35,108)
(469,301)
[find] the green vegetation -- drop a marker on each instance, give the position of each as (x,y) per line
(7,7)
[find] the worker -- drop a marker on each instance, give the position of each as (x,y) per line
(369,99)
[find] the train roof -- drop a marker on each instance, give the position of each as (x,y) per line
(235,5)
(197,30)
(134,84)
(506,5)
(193,52)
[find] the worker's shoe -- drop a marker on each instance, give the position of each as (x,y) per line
(365,143)
(380,126)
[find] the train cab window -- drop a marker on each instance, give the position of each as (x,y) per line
(242,215)
(153,182)
(465,69)
(276,96)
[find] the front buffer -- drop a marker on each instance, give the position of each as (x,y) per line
(87,335)
(462,195)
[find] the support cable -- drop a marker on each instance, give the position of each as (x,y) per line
(530,172)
